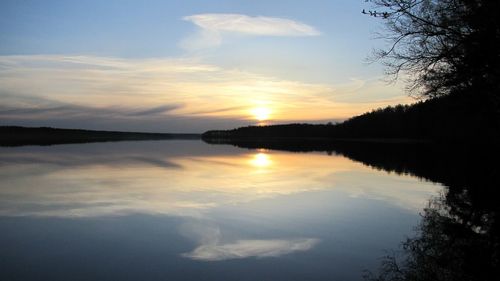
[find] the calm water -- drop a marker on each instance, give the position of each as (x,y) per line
(186,210)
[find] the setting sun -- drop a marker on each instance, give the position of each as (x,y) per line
(261,113)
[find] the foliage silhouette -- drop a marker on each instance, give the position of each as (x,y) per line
(448,118)
(446,46)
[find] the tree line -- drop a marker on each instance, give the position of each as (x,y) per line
(447,118)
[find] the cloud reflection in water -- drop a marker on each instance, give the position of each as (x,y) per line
(178,178)
(250,248)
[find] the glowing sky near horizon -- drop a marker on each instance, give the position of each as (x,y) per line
(187,67)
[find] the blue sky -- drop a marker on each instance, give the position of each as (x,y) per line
(208,64)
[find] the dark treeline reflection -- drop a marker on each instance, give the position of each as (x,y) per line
(456,240)
(459,236)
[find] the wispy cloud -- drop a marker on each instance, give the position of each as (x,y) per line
(70,111)
(251,248)
(156,110)
(252,25)
(118,93)
(214,26)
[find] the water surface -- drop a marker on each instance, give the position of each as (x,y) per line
(186,210)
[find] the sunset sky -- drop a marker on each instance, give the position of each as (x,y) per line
(187,66)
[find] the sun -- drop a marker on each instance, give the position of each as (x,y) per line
(261,113)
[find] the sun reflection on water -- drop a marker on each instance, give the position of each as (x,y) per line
(184,178)
(261,160)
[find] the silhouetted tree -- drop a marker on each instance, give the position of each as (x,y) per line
(445,46)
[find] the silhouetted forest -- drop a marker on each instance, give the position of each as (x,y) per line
(448,118)
(14,135)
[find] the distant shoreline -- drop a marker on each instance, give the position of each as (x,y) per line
(17,136)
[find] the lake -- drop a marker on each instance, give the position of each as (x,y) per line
(187,210)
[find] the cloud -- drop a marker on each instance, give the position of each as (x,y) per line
(164,94)
(266,26)
(251,248)
(156,110)
(214,26)
(73,111)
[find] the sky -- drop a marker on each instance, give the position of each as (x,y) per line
(188,66)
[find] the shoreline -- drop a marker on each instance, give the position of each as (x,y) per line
(19,136)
